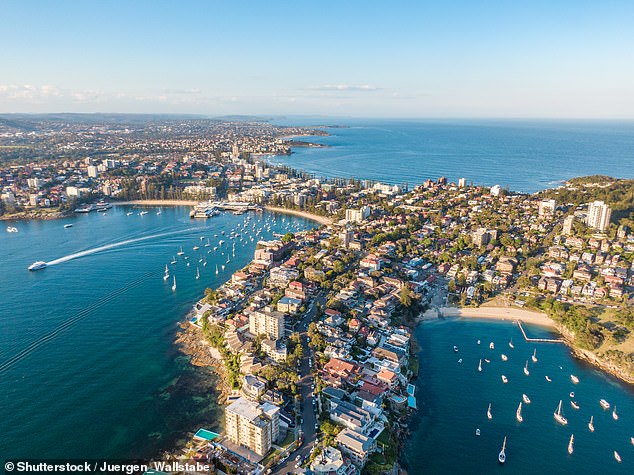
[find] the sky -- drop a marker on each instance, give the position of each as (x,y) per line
(441,59)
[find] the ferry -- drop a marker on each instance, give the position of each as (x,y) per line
(591,424)
(558,417)
(570,446)
(574,379)
(502,455)
(604,404)
(38,265)
(66,226)
(526,399)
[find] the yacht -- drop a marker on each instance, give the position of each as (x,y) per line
(504,379)
(570,447)
(129,213)
(478,432)
(158,213)
(504,357)
(455,349)
(197,273)
(558,417)
(223,267)
(208,243)
(478,342)
(487,361)
(202,238)
(511,344)
(632,440)
(604,404)
(547,378)
(173,260)
(502,455)
(480,365)
(591,424)
(66,226)
(572,394)
(143,213)
(574,405)
(491,346)
(37,265)
(459,360)
(574,379)
(166,276)
(489,415)
(617,457)
(216,269)
(534,357)
(180,253)
(615,416)
(174,284)
(526,399)
(12,229)
(526,372)
(195,248)
(518,413)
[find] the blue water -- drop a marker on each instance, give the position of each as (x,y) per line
(525,155)
(453,400)
(87,362)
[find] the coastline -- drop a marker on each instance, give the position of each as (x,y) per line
(534,318)
(301,214)
(156,203)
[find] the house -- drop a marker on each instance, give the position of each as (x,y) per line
(357,446)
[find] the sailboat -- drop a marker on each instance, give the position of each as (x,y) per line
(167,273)
(615,416)
(511,343)
(223,267)
(216,269)
(617,457)
(489,415)
(570,447)
(180,253)
(208,243)
(204,262)
(480,365)
(502,455)
(173,260)
(526,372)
(197,273)
(574,405)
(558,417)
(526,399)
(591,424)
(534,357)
(174,284)
(518,413)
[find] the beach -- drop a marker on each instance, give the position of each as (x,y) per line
(301,214)
(500,313)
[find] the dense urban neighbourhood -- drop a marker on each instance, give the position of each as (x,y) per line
(314,338)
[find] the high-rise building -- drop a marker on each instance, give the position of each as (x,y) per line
(34,182)
(92,171)
(252,425)
(568,223)
(599,215)
(267,322)
(481,237)
(346,237)
(496,190)
(462,183)
(547,208)
(357,215)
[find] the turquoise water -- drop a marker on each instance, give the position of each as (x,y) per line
(453,400)
(525,155)
(87,362)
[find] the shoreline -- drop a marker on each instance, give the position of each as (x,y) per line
(530,317)
(155,203)
(301,214)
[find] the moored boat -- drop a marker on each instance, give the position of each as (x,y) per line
(526,399)
(505,379)
(480,365)
(491,346)
(547,378)
(526,372)
(574,379)
(518,413)
(489,415)
(574,405)
(502,455)
(558,417)
(615,416)
(591,424)
(66,226)
(504,357)
(604,404)
(478,432)
(570,444)
(534,357)
(511,345)
(174,284)
(617,457)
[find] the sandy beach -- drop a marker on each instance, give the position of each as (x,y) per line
(302,214)
(157,203)
(500,313)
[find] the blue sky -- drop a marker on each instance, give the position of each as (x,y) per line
(551,59)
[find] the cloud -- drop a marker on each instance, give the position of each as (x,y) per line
(347,87)
(193,90)
(28,92)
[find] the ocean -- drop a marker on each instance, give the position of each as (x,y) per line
(453,398)
(87,362)
(526,156)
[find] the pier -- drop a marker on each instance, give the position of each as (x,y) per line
(537,340)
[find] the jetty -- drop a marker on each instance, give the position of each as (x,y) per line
(537,340)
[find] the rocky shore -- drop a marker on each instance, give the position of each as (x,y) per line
(28,215)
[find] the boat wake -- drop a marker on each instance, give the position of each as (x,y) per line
(88,252)
(51,335)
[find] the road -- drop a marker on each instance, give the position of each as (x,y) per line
(308,414)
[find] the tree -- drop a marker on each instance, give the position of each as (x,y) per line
(288,237)
(451,286)
(405,296)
